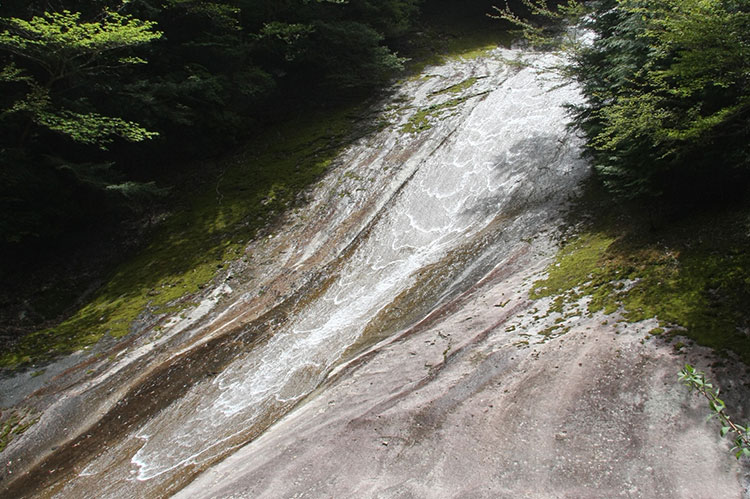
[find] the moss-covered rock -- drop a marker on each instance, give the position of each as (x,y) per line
(692,274)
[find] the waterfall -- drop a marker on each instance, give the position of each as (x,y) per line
(474,159)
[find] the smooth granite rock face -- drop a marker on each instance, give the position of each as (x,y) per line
(381,342)
(456,408)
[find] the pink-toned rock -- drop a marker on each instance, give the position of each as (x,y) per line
(593,413)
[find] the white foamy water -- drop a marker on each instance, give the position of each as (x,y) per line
(501,151)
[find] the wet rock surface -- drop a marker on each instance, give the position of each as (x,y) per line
(380,342)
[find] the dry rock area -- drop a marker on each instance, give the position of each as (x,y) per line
(457,406)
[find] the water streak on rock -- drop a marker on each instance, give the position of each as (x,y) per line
(403,221)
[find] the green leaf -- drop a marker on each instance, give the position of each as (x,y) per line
(717,405)
(63,44)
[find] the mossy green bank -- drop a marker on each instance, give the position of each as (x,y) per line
(208,227)
(690,270)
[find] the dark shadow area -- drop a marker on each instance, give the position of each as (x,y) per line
(530,156)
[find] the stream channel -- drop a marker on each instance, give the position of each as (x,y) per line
(473,159)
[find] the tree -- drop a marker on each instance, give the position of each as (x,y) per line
(59,85)
(667,89)
(339,47)
(59,51)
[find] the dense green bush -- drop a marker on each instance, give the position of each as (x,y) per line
(667,95)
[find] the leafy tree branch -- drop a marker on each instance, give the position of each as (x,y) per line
(696,380)
(64,45)
(666,86)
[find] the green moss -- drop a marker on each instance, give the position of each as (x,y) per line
(420,122)
(14,424)
(424,118)
(458,87)
(208,227)
(553,331)
(692,274)
(576,264)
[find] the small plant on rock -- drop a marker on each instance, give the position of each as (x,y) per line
(696,380)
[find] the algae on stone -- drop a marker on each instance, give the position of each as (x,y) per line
(458,87)
(15,424)
(425,118)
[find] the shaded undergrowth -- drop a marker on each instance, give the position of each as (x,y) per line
(208,226)
(453,30)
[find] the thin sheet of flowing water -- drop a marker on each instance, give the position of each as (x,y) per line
(501,151)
